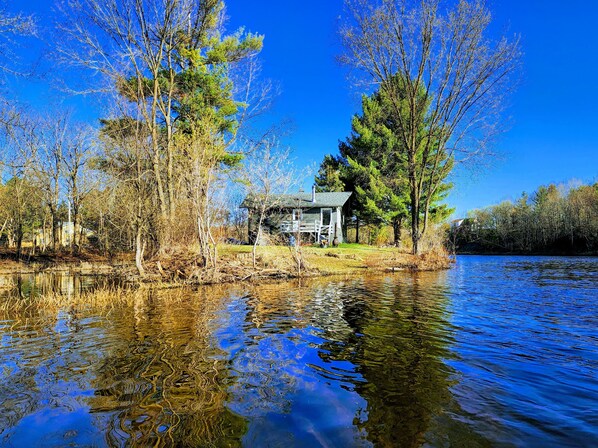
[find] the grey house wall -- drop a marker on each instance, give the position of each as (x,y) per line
(309,215)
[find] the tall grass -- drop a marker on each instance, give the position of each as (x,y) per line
(103,299)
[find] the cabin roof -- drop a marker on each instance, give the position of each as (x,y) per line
(302,200)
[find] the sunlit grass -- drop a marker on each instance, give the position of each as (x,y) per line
(101,299)
(348,258)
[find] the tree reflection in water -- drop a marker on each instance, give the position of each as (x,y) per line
(273,344)
(34,284)
(360,362)
(399,340)
(164,382)
(379,344)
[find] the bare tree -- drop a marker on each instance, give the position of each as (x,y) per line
(446,79)
(255,93)
(203,153)
(125,160)
(21,204)
(79,151)
(268,173)
(11,26)
(154,52)
(44,144)
(20,209)
(133,44)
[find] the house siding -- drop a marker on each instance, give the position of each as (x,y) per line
(311,213)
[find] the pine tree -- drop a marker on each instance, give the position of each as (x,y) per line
(373,164)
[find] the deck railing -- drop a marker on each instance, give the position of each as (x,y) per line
(299,226)
(314,227)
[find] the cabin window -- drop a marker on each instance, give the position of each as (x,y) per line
(297,214)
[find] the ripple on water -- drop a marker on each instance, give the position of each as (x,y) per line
(500,351)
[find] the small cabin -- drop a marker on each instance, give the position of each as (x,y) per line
(316,217)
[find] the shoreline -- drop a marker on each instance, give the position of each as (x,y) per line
(281,263)
(235,265)
(84,264)
(528,254)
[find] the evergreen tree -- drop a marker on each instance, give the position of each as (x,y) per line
(331,175)
(373,164)
(177,106)
(378,204)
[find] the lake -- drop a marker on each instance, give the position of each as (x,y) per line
(499,351)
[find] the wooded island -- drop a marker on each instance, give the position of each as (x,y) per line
(183,141)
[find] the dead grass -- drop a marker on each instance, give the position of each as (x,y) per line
(279,262)
(346,259)
(431,261)
(101,299)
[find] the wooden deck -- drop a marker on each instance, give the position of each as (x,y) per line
(312,227)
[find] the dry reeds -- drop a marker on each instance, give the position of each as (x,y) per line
(102,299)
(434,260)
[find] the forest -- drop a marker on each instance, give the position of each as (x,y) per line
(553,220)
(150,175)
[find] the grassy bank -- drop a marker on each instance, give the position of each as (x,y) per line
(345,259)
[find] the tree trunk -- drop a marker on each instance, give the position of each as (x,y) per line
(396,227)
(249,218)
(3,227)
(357,230)
(169,154)
(164,230)
(19,240)
(257,237)
(415,235)
(75,240)
(11,236)
(139,249)
(415,229)
(54,230)
(44,235)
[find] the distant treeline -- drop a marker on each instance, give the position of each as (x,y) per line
(553,220)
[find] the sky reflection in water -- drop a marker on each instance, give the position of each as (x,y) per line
(497,352)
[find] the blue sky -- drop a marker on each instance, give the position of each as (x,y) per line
(553,132)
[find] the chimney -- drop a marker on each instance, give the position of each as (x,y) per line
(313,194)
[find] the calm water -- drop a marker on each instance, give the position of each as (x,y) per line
(500,351)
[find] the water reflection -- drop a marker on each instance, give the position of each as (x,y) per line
(145,377)
(163,382)
(34,284)
(435,359)
(272,337)
(343,363)
(398,341)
